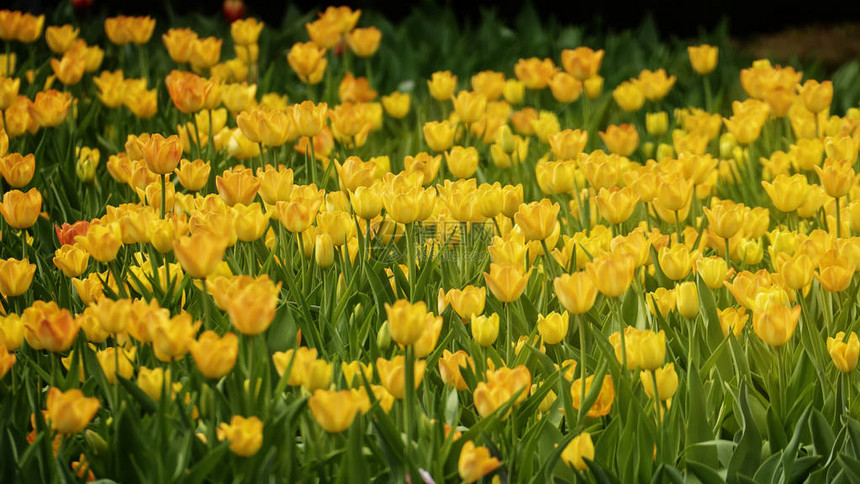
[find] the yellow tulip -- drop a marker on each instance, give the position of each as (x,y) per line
(580,448)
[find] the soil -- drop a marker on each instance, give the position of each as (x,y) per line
(831,45)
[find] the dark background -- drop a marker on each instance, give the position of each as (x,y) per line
(682,18)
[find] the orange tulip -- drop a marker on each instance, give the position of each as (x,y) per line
(19,209)
(215,356)
(475,462)
(49,327)
(70,412)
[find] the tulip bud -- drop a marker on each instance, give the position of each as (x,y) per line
(85,169)
(593,86)
(514,91)
(665,380)
(648,149)
(687,298)
(553,327)
(727,146)
(703,58)
(96,442)
(505,139)
(324,251)
(383,337)
(651,349)
(485,329)
(657,123)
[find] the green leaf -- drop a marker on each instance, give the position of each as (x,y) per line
(629,455)
(630,308)
(145,400)
(802,467)
(526,453)
(791,450)
(768,471)
(711,318)
(747,455)
(667,473)
(697,429)
(854,432)
(716,354)
(596,385)
(705,473)
(606,446)
(775,432)
(851,466)
(601,475)
(662,280)
(822,435)
(354,459)
(214,459)
(452,407)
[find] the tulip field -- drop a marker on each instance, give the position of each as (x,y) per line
(341,249)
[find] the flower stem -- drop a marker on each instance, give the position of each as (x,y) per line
(838,219)
(410,257)
(509,334)
(252,387)
(709,102)
(658,410)
(163,195)
(23,244)
(210,148)
(781,382)
(409,402)
(616,313)
(312,161)
(582,367)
